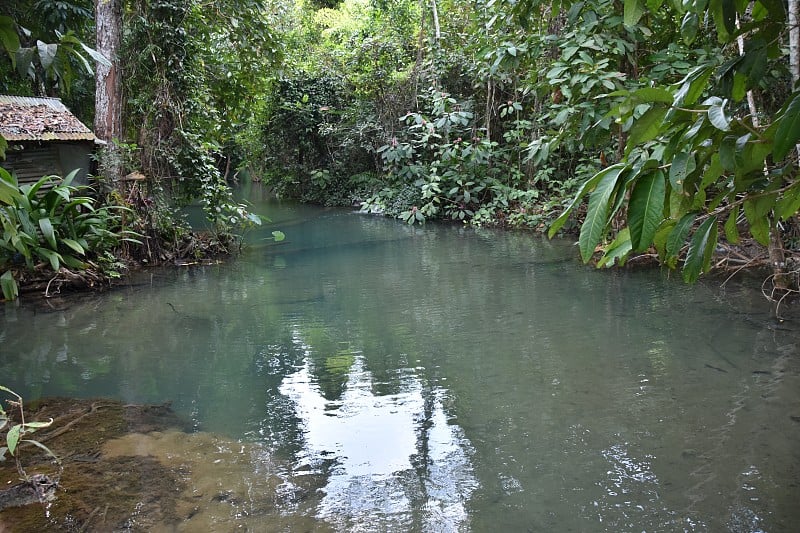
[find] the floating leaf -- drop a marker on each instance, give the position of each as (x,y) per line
(278,235)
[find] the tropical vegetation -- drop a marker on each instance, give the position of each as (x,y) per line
(677,120)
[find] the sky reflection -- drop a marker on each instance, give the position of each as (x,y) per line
(391,459)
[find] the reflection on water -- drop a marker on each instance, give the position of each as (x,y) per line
(384,377)
(389,459)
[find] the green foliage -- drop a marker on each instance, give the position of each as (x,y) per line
(44,41)
(50,223)
(191,72)
(721,159)
(16,433)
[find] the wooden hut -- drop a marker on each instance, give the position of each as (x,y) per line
(44,138)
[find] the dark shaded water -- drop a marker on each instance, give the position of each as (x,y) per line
(449,379)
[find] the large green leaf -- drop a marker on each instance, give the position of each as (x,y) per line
(692,86)
(617,251)
(50,255)
(677,237)
(49,233)
(689,27)
(633,11)
(646,209)
(717,117)
(9,286)
(788,131)
(682,165)
(9,192)
(652,94)
(597,215)
(75,245)
(9,38)
(724,13)
(12,438)
(701,250)
(758,218)
(47,53)
(24,59)
(647,128)
(731,230)
(789,202)
(576,200)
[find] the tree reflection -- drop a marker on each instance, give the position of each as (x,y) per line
(390,459)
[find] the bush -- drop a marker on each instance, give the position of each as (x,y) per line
(50,223)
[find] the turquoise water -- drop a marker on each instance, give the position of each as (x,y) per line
(441,378)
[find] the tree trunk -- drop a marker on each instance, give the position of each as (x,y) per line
(794,40)
(437,29)
(108,89)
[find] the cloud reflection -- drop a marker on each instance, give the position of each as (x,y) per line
(389,459)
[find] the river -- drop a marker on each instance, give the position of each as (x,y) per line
(442,378)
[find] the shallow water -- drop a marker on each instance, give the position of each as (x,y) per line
(447,379)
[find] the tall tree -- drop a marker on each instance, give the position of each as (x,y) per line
(108,89)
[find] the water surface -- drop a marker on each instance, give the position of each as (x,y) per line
(440,378)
